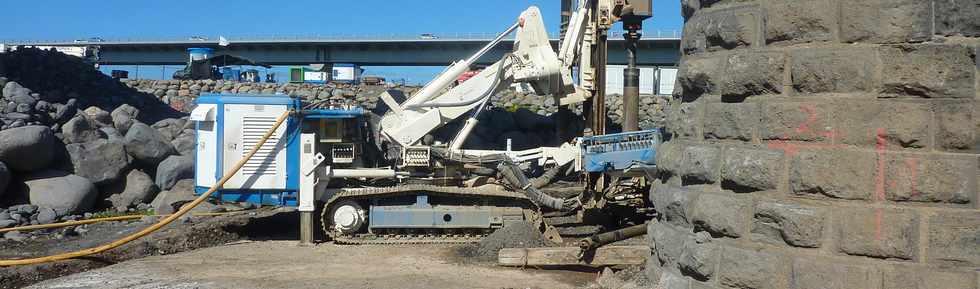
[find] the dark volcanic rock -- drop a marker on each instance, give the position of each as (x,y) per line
(27,148)
(4,178)
(67,194)
(140,189)
(147,145)
(81,129)
(101,161)
(173,169)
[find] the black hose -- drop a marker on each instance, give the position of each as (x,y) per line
(513,175)
(598,240)
(547,178)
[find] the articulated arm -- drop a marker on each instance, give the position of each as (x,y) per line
(533,61)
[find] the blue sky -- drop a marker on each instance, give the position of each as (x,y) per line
(111,19)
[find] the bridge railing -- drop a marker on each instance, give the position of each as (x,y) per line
(647,34)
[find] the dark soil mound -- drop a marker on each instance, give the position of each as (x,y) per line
(521,235)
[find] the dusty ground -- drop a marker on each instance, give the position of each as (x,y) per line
(183,235)
(282,264)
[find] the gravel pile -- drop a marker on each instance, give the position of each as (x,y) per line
(519,235)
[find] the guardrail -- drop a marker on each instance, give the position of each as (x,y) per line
(647,34)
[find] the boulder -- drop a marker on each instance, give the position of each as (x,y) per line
(185,143)
(167,202)
(46,216)
(170,127)
(66,111)
(146,144)
(27,148)
(66,193)
(111,133)
(139,189)
(100,117)
(123,117)
(173,169)
(81,129)
(100,161)
(4,179)
(13,88)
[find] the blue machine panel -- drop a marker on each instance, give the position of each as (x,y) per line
(286,196)
(621,150)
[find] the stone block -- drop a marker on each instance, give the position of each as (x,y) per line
(698,76)
(834,173)
(669,280)
(668,242)
(931,178)
(879,233)
(748,170)
(955,124)
(789,21)
(699,259)
(723,29)
(928,70)
(911,277)
(720,214)
(669,158)
(791,224)
(885,21)
(840,70)
(891,124)
(673,203)
(956,17)
(731,121)
(743,268)
(699,164)
(752,73)
(684,120)
(820,274)
(798,121)
(954,239)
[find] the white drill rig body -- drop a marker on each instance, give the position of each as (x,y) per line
(533,61)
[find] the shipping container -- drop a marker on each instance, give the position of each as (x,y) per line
(346,73)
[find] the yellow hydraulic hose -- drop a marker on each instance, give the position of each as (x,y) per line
(96,220)
(183,210)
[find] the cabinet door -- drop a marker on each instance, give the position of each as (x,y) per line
(244,126)
(207,154)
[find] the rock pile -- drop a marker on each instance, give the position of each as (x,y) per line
(74,141)
(180,94)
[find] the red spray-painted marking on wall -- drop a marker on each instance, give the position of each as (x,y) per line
(879,179)
(791,148)
(811,117)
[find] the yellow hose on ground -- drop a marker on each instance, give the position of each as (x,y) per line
(97,220)
(183,210)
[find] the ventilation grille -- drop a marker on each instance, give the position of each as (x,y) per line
(264,161)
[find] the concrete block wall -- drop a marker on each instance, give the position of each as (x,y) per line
(822,144)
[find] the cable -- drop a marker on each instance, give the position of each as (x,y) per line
(97,220)
(169,219)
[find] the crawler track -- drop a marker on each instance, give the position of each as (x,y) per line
(485,194)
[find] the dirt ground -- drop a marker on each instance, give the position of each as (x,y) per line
(283,264)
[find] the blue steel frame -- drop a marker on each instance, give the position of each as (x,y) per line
(619,151)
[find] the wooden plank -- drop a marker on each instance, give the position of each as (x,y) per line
(558,256)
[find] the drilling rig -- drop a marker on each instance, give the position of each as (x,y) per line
(374,177)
